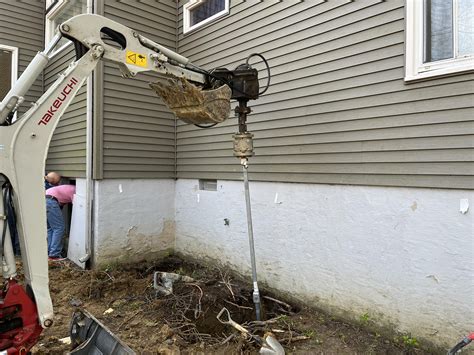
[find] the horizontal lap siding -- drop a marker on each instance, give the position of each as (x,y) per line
(338,109)
(138,130)
(67,151)
(21,26)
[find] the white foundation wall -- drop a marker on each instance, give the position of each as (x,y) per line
(133,219)
(404,256)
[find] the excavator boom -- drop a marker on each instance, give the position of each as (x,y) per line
(24,145)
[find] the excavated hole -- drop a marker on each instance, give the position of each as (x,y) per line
(220,289)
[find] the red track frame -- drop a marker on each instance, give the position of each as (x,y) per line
(17,305)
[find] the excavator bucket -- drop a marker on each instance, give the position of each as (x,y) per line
(91,337)
(193,104)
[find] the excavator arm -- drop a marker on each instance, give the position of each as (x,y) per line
(26,310)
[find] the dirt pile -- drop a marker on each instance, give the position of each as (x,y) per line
(124,299)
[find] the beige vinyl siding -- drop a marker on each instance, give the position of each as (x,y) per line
(67,151)
(22,26)
(338,110)
(138,130)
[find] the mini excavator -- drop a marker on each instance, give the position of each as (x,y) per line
(195,95)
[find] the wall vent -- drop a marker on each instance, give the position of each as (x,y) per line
(208,185)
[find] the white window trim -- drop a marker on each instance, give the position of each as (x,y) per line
(415,69)
(192,4)
(14,76)
(49,28)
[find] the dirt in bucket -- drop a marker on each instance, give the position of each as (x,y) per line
(124,299)
(192,104)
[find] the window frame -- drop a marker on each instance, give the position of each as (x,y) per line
(14,67)
(415,69)
(53,8)
(187,8)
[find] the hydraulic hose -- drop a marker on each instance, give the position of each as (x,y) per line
(6,200)
(5,221)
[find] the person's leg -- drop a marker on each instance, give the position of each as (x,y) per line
(50,233)
(56,222)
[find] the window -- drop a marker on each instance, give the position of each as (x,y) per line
(197,13)
(58,11)
(8,68)
(439,37)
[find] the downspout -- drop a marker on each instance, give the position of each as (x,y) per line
(175,120)
(89,157)
(89,181)
(176,36)
(42,46)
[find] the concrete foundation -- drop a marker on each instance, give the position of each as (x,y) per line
(402,256)
(133,220)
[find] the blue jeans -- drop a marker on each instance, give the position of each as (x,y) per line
(55,228)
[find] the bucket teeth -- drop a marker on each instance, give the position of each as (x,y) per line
(192,104)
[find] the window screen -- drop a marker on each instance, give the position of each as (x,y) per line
(449,29)
(205,10)
(438,30)
(465,27)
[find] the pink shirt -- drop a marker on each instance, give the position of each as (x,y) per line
(62,193)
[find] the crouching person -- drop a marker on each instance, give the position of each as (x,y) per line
(56,198)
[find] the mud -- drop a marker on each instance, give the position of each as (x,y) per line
(124,299)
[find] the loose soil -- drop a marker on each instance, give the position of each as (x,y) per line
(123,299)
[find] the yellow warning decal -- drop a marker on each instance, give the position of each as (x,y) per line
(136,59)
